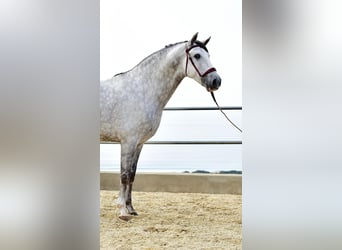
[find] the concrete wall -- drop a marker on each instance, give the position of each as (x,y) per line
(180,183)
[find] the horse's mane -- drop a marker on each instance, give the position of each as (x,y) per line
(174,44)
(198,43)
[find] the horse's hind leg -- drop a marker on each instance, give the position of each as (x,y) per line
(129,159)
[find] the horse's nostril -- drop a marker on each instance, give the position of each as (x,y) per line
(216,83)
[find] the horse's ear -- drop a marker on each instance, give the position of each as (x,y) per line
(194,38)
(206,41)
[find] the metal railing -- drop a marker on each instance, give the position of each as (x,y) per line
(236,142)
(202,108)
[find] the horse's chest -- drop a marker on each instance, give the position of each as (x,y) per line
(149,124)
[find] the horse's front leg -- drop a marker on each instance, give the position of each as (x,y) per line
(129,159)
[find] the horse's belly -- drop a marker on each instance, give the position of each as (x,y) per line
(107,133)
(129,127)
(139,129)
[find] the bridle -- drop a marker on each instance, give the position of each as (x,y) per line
(202,75)
(212,69)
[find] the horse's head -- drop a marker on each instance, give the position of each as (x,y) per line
(198,65)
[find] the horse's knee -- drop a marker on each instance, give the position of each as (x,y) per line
(125,178)
(131,177)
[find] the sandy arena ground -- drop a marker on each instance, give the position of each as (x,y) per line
(173,221)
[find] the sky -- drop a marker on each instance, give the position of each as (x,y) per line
(132,29)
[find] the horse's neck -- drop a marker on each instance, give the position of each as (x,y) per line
(166,75)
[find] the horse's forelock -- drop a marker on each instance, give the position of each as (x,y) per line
(201,45)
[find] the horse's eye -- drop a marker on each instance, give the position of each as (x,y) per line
(197,56)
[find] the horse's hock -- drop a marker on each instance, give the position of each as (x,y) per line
(177,183)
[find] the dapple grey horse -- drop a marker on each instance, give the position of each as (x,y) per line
(131,103)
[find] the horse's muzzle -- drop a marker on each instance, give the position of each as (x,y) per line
(213,83)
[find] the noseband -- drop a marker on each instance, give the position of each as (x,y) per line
(193,64)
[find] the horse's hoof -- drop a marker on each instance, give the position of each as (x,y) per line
(131,210)
(125,217)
